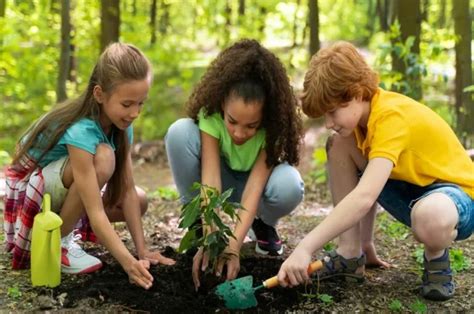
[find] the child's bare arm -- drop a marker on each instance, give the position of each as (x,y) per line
(348,212)
(210,161)
(132,213)
(250,200)
(85,179)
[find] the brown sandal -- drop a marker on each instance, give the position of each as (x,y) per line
(334,265)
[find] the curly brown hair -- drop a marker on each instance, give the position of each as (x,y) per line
(247,61)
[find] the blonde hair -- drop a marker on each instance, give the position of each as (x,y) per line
(336,75)
(118,64)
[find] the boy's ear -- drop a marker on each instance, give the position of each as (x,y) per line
(98,94)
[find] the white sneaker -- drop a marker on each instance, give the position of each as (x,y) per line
(73,258)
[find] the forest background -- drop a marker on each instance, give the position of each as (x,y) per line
(422,48)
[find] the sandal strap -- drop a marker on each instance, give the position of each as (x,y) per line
(438,278)
(436,265)
(340,262)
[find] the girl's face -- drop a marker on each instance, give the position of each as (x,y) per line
(242,119)
(123,104)
(345,118)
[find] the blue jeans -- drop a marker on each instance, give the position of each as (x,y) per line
(398,198)
(283,192)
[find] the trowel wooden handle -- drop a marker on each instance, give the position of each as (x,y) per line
(273,282)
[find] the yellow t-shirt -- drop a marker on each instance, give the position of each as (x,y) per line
(422,146)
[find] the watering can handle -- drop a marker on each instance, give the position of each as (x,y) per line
(273,282)
(46,203)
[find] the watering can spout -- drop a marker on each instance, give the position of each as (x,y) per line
(46,247)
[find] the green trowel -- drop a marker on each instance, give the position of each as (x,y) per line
(46,247)
(239,294)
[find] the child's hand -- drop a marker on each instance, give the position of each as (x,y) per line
(371,256)
(156,258)
(138,273)
(294,270)
(231,258)
(200,263)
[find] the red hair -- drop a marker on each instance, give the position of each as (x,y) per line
(336,75)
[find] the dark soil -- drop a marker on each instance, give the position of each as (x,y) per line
(108,290)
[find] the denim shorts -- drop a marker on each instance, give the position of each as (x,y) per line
(398,198)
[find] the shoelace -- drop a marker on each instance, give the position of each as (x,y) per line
(72,247)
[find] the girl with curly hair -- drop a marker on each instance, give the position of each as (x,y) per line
(244,131)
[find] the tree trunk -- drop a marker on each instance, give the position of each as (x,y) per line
(65,55)
(442,14)
(408,14)
(382,12)
(153,22)
(134,8)
(371,20)
(241,8)
(263,20)
(109,22)
(295,24)
(164,17)
(314,43)
(228,22)
(464,101)
(3,7)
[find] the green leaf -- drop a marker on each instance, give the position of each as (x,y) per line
(395,305)
(187,241)
(468,89)
(190,213)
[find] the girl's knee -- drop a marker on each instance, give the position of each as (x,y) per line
(181,129)
(104,163)
(285,186)
(142,199)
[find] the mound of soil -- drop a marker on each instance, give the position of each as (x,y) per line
(173,289)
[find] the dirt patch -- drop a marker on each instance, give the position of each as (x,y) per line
(384,290)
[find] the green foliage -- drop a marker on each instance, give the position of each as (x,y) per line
(166,193)
(414,67)
(459,261)
(14,292)
(419,254)
(204,207)
(418,306)
(395,306)
(326,299)
(318,174)
(391,227)
(329,247)
(5,158)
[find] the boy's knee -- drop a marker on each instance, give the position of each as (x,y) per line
(104,163)
(335,142)
(431,222)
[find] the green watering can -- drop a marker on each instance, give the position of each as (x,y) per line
(46,247)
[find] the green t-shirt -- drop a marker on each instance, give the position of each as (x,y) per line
(238,157)
(85,134)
